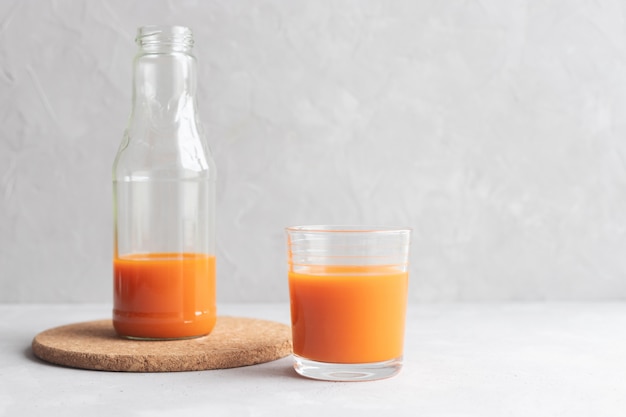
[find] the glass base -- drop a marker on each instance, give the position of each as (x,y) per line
(347,371)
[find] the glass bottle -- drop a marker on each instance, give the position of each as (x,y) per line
(164,198)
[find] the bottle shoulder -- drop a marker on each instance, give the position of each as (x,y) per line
(174,157)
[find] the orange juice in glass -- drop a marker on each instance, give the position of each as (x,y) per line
(348,293)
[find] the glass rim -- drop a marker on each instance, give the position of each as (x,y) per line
(348,228)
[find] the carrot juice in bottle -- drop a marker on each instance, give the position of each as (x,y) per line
(164,199)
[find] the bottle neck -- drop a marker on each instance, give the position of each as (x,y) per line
(164,79)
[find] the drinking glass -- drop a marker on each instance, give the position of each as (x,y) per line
(348,294)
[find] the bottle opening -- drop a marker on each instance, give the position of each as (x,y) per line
(154,38)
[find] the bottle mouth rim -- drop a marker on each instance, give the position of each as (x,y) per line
(151,36)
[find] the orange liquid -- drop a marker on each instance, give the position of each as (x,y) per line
(164,295)
(348,314)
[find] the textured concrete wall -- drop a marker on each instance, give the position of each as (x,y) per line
(494,128)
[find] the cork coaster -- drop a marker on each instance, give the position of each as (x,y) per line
(234,342)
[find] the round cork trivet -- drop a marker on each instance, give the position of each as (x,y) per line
(234,342)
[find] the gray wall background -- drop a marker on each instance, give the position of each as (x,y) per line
(495,128)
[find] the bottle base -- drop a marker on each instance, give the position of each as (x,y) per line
(151,331)
(156,339)
(347,371)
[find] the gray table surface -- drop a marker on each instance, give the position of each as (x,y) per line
(550,359)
